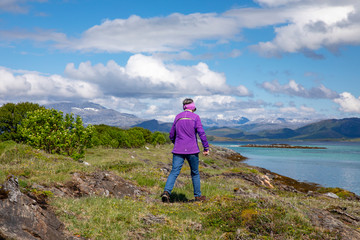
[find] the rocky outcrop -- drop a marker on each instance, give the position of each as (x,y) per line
(226,153)
(28,216)
(333,222)
(22,217)
(100,183)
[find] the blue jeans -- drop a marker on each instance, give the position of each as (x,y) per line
(177,163)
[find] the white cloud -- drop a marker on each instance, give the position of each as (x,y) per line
(348,103)
(294,89)
(299,26)
(39,35)
(15,85)
(170,33)
(16,6)
(307,109)
(275,3)
(146,76)
(312,26)
(302,112)
(152,110)
(213,107)
(228,106)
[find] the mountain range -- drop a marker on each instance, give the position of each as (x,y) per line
(237,128)
(347,128)
(92,113)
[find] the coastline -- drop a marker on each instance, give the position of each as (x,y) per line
(281,181)
(336,166)
(280,145)
(228,139)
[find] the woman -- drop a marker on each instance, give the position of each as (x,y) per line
(183,133)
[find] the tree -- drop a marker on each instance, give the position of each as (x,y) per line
(50,130)
(11,116)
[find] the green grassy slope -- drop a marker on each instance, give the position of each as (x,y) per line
(241,205)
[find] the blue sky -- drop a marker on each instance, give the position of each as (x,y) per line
(296,59)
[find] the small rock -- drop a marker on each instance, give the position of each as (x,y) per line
(12,186)
(331,195)
(152,219)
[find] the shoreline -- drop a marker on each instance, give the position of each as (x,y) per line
(284,182)
(280,145)
(227,139)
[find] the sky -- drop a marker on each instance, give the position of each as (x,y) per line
(260,59)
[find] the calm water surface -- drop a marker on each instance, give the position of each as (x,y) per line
(336,166)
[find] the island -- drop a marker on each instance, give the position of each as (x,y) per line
(280,145)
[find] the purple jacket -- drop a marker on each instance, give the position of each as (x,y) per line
(183,133)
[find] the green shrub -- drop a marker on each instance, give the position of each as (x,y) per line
(53,132)
(135,137)
(147,134)
(109,136)
(10,116)
(158,138)
(342,193)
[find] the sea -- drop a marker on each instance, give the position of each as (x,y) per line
(336,166)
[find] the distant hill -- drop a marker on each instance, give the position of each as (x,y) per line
(332,128)
(346,128)
(154,125)
(225,132)
(262,124)
(92,113)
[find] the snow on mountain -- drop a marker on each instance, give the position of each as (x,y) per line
(92,113)
(262,124)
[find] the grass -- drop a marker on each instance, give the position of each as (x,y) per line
(36,166)
(262,214)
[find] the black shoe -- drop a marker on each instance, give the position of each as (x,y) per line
(165,197)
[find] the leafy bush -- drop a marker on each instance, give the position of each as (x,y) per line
(158,138)
(53,132)
(11,115)
(147,134)
(109,136)
(135,137)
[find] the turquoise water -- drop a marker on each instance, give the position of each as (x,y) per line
(336,166)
